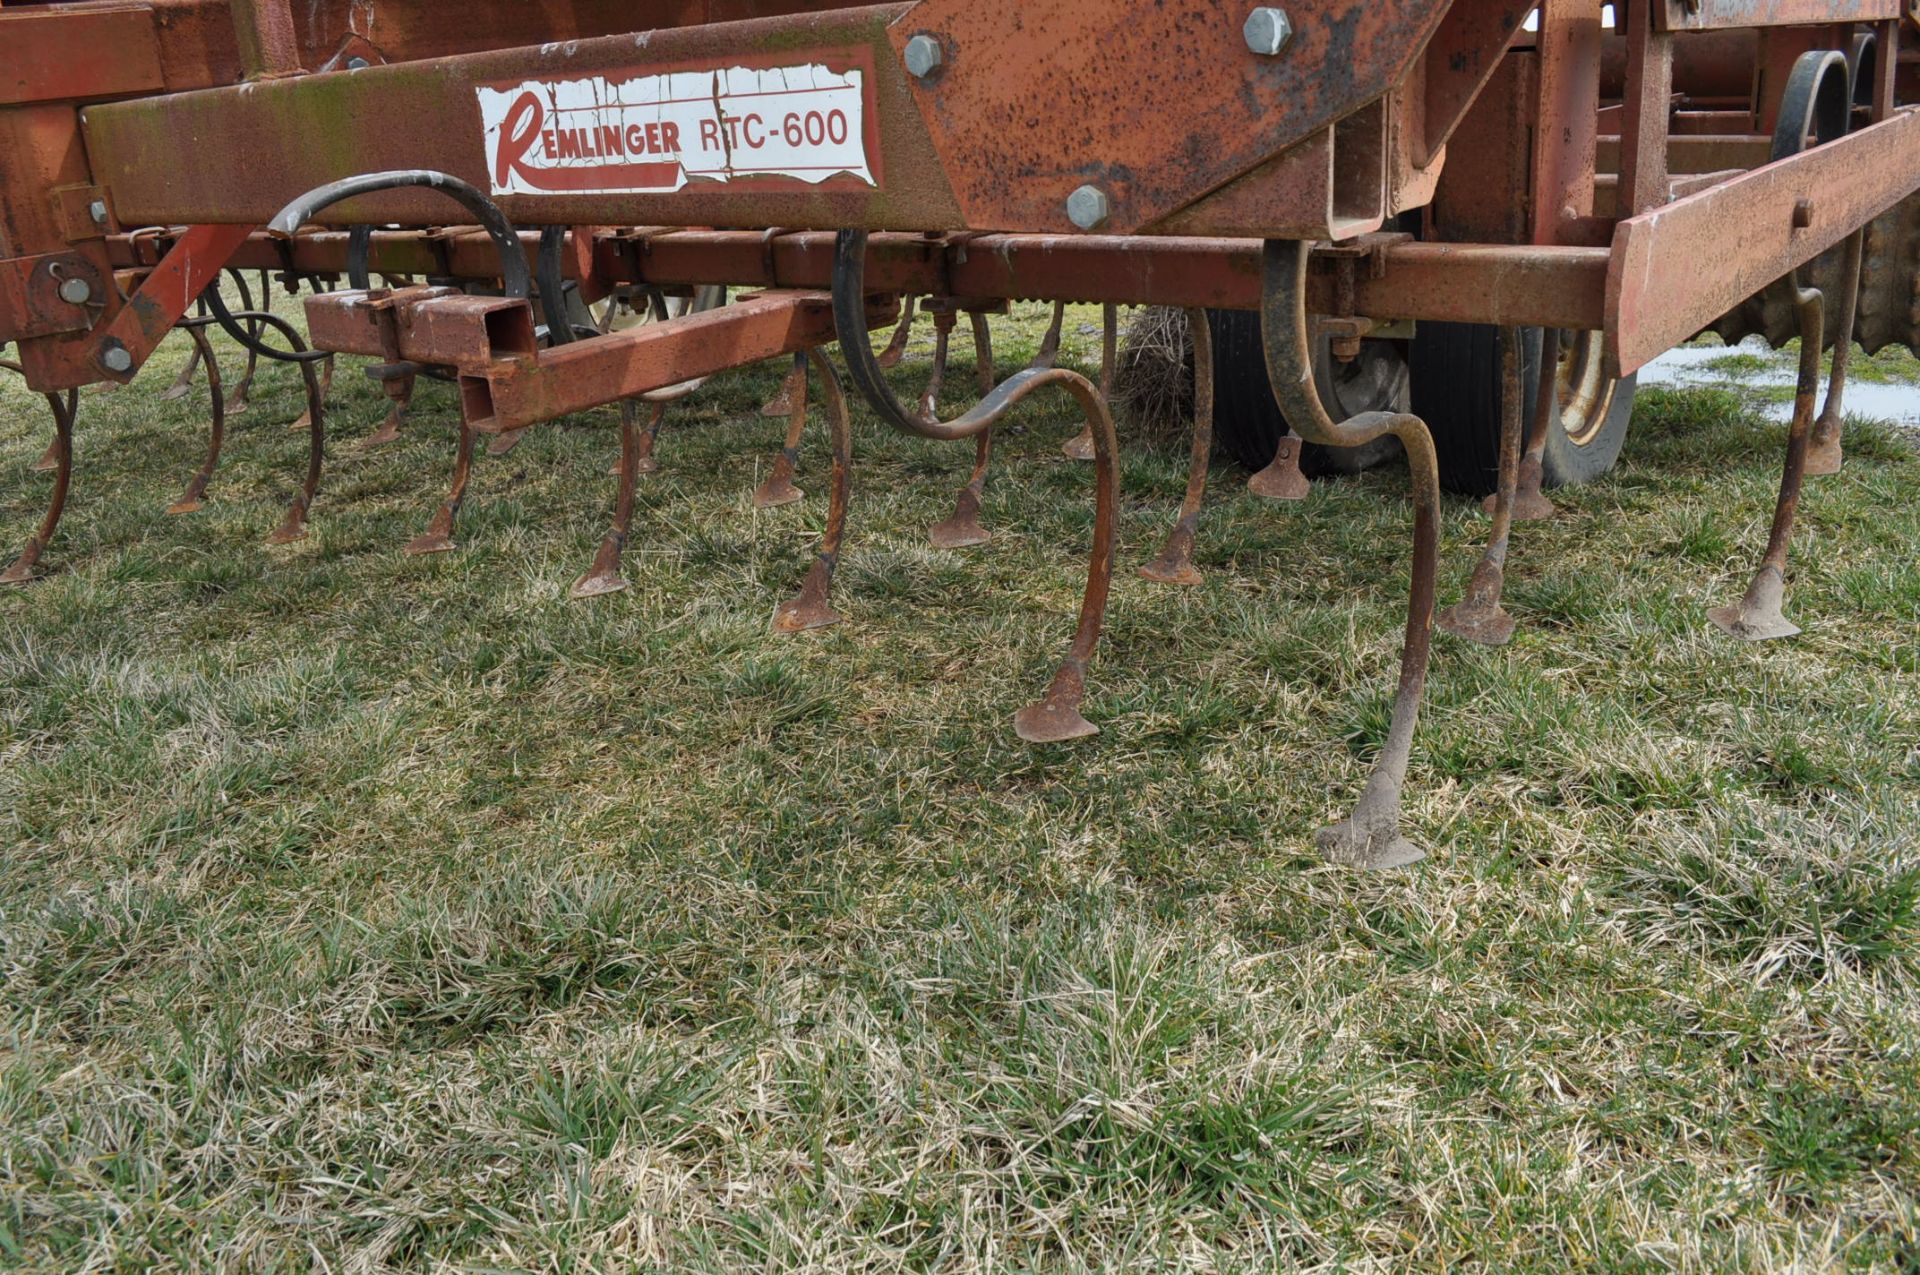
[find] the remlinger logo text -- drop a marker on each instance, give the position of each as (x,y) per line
(653,134)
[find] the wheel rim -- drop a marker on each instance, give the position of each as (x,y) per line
(1374,381)
(1583,389)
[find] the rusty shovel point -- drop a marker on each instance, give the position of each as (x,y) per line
(1052,721)
(1479,620)
(1825,456)
(1175,563)
(389,431)
(781,404)
(963,529)
(1056,718)
(1758,617)
(22,570)
(778,489)
(809,609)
(1530,504)
(1282,479)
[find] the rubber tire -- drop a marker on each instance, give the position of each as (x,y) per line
(1246,421)
(1456,391)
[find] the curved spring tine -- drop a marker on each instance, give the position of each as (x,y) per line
(1370,837)
(216,431)
(183,382)
(902,332)
(1479,617)
(1824,452)
(604,577)
(962,529)
(240,399)
(399,392)
(50,458)
(778,489)
(301,422)
(1056,717)
(1759,615)
(1817,100)
(64,410)
(811,607)
(438,537)
(294,526)
(1080,446)
(1174,565)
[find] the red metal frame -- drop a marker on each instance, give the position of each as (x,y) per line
(1326,140)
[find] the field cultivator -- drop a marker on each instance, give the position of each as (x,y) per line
(1450,229)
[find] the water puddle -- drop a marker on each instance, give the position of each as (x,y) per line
(1690,366)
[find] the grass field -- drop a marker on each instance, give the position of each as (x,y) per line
(367,912)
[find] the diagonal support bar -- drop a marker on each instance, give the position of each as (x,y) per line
(1676,269)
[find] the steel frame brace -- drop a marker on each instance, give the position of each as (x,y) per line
(1457,283)
(1677,268)
(508,384)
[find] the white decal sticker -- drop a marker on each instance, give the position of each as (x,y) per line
(654,133)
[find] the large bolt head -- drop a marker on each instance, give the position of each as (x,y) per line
(98,211)
(923,56)
(75,291)
(116,359)
(1089,208)
(1267,31)
(357,64)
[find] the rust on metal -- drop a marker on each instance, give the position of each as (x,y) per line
(1657,294)
(1619,188)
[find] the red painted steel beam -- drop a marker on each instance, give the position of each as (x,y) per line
(257,147)
(1156,103)
(1675,269)
(50,54)
(588,374)
(1153,103)
(1456,283)
(161,301)
(1462,58)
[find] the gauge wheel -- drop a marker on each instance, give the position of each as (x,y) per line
(1457,392)
(1247,424)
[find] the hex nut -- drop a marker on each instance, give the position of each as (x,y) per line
(76,291)
(98,211)
(358,64)
(116,359)
(1267,31)
(924,56)
(1089,208)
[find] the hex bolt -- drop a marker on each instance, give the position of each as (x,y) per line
(1089,208)
(1267,31)
(116,359)
(76,292)
(98,211)
(358,64)
(924,56)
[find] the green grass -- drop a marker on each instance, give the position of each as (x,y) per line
(368,912)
